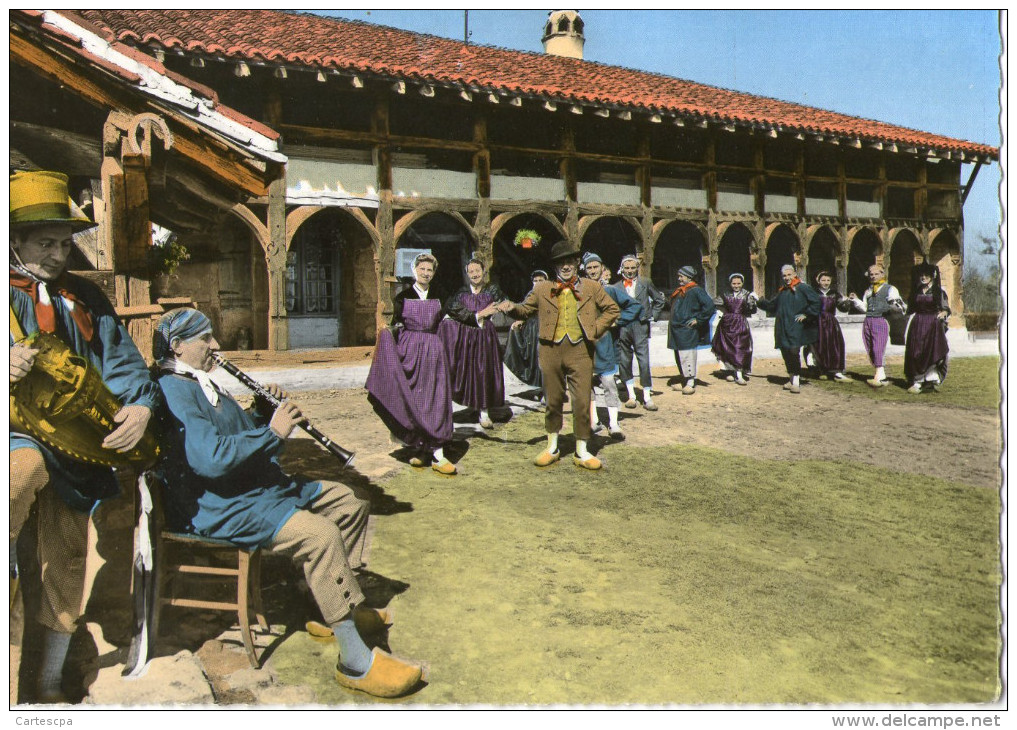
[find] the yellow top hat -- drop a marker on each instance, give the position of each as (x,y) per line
(41,197)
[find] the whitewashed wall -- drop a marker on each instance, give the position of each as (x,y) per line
(411,182)
(313,331)
(678,197)
(509,187)
(609,193)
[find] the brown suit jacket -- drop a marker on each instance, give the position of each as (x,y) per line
(596,310)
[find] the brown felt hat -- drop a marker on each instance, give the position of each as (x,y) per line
(563,250)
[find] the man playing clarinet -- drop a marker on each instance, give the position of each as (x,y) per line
(222,480)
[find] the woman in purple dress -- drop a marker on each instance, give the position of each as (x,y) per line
(408,384)
(827,353)
(732,342)
(926,350)
(471,343)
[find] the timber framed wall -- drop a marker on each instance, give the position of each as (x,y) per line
(382,159)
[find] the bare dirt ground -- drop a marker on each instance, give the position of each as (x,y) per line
(760,421)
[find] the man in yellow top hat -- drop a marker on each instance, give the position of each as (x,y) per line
(44,297)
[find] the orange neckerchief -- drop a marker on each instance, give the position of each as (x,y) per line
(45,314)
(683,290)
(794,282)
(561,286)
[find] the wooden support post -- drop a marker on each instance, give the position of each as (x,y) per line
(482,158)
(882,187)
(644,173)
(113,223)
(385,257)
(970,182)
(278,324)
(841,187)
(710,176)
(568,175)
(385,222)
(382,151)
(922,191)
(482,169)
(758,182)
(799,183)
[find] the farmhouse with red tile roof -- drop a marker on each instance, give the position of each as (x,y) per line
(398,141)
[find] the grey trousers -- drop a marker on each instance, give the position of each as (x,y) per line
(686,361)
(329,540)
(634,339)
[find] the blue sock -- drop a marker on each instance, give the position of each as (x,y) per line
(353,652)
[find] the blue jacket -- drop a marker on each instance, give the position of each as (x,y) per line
(113,354)
(697,305)
(789,334)
(220,470)
(605,359)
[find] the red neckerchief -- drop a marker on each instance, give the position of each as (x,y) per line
(45,314)
(683,290)
(794,282)
(631,281)
(561,286)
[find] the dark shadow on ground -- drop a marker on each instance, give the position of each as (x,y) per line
(287,602)
(891,382)
(499,414)
(310,460)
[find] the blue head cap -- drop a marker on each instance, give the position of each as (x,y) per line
(178,324)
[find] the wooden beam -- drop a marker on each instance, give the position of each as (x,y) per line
(841,186)
(482,159)
(758,181)
(112,225)
(131,252)
(710,177)
(644,174)
(971,181)
(921,192)
(382,151)
(190,139)
(882,187)
(568,165)
(78,154)
(799,183)
(275,258)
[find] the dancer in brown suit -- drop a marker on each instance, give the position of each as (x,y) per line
(573,313)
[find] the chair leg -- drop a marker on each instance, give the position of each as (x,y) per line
(161,587)
(243,609)
(259,611)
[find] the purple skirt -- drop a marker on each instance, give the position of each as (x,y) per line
(926,347)
(409,387)
(732,342)
(829,348)
(474,357)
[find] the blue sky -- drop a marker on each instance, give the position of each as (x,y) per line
(937,71)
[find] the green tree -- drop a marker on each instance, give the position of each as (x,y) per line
(982,282)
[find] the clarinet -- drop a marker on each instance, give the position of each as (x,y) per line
(346,457)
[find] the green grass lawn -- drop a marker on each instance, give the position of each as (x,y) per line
(684,575)
(970,382)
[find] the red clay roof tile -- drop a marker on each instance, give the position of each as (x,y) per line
(315,41)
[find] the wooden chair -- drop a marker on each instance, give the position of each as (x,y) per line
(171,575)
